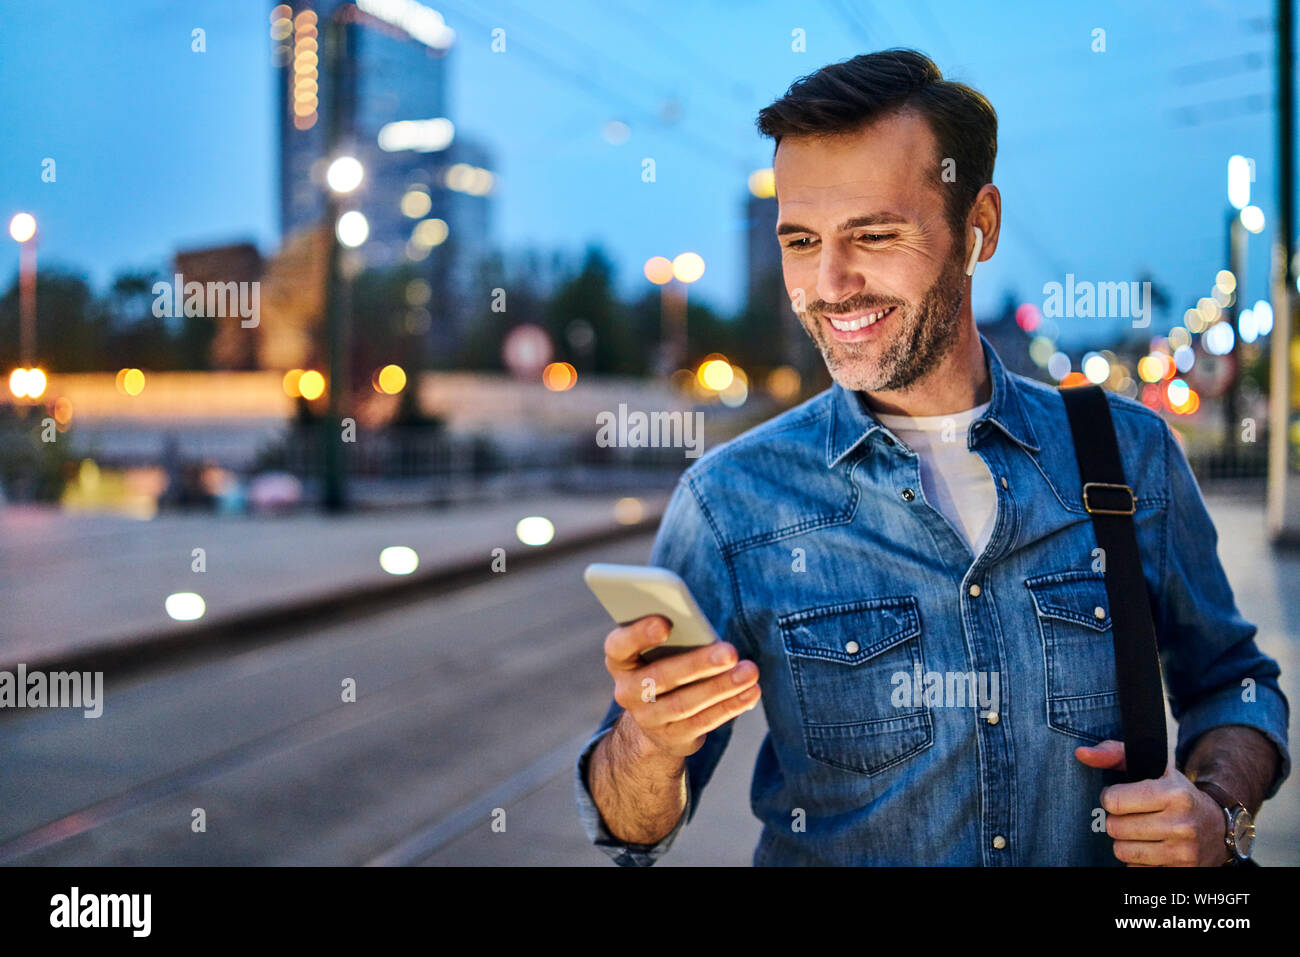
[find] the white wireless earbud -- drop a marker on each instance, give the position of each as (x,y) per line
(975,253)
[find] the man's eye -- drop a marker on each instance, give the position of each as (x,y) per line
(877,237)
(803,242)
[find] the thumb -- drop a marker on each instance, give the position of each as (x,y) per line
(1107,755)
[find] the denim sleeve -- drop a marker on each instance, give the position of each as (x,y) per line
(685,544)
(1216,675)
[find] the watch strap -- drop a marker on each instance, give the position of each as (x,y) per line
(1224,799)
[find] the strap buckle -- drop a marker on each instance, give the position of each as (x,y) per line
(1132,499)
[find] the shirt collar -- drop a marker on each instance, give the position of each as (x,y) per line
(851,422)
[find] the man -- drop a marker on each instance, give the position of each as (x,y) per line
(924,515)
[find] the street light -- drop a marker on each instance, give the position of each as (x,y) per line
(1238,181)
(688,267)
(27,383)
(22,227)
(352,228)
(345,174)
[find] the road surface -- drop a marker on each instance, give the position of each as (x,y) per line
(465,703)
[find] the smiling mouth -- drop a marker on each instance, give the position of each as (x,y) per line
(861,322)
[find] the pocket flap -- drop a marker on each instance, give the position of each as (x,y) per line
(851,632)
(1072,596)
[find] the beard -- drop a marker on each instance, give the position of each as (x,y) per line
(922,335)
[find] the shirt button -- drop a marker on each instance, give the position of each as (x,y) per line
(1099,612)
(992,718)
(1004,481)
(908,495)
(974,591)
(851,647)
(999,842)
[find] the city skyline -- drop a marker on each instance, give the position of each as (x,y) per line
(1096,182)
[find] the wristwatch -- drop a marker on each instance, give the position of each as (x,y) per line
(1240,834)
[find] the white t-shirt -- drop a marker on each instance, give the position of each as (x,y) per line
(955,479)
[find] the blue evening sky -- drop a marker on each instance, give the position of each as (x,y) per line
(1109,163)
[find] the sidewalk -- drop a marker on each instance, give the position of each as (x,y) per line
(74,585)
(1264,584)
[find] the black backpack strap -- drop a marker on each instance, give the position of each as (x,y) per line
(1111,503)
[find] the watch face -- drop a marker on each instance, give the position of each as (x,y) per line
(1243,832)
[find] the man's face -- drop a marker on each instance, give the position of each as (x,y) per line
(869,261)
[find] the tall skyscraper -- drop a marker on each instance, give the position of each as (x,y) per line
(424,193)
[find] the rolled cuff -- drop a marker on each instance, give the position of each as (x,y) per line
(621,852)
(1267,714)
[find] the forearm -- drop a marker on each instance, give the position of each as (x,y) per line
(640,794)
(1237,758)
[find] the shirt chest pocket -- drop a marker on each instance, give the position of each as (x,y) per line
(1073,612)
(845,662)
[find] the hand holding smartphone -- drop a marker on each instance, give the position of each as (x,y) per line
(673,692)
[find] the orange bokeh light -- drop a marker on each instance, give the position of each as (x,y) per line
(659,270)
(559,376)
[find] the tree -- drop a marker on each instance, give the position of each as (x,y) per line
(587,322)
(135,336)
(70,324)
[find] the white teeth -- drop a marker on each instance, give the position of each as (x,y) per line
(855,324)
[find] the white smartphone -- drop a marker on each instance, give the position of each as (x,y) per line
(629,592)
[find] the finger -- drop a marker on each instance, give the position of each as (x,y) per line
(1137,852)
(715,717)
(1107,755)
(1154,853)
(1151,826)
(1139,797)
(697,696)
(677,671)
(625,643)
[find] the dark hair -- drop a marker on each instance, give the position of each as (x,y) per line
(843,97)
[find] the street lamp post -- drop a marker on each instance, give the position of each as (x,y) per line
(672,323)
(345,173)
(343,176)
(22,228)
(686,268)
(1238,199)
(1243,218)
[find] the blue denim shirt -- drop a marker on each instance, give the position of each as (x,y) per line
(810,546)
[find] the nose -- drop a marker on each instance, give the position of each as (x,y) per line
(836,277)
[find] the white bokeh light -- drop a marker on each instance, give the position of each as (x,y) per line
(352,229)
(399,560)
(535,530)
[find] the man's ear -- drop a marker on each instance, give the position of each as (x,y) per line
(984,222)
